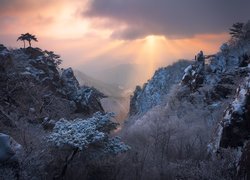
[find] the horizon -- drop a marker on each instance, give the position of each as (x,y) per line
(96,37)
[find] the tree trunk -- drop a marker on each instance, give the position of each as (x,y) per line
(65,166)
(30,43)
(24,44)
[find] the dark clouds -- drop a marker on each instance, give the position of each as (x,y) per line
(172,18)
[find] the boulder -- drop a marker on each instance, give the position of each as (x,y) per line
(69,83)
(9,148)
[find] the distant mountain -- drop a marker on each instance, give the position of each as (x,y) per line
(121,74)
(117,99)
(113,90)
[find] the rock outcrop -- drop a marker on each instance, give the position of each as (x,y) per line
(32,67)
(154,91)
(10,152)
(9,149)
(87,99)
(234,129)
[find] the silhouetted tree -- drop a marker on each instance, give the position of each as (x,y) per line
(51,56)
(22,38)
(236,30)
(30,37)
(27,37)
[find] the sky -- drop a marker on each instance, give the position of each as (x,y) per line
(101,37)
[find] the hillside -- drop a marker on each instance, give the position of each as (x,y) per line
(202,131)
(155,90)
(45,115)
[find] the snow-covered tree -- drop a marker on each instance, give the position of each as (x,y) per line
(236,30)
(240,31)
(82,133)
(87,134)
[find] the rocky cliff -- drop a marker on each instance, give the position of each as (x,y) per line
(24,69)
(206,115)
(155,90)
(34,95)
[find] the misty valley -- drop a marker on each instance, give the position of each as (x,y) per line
(189,121)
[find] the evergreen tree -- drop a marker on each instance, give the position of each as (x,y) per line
(27,37)
(236,30)
(22,38)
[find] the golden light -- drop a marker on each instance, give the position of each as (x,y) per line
(146,54)
(61,27)
(151,40)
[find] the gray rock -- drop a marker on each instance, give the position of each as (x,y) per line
(87,100)
(9,148)
(70,83)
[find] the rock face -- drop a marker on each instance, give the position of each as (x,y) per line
(153,92)
(87,99)
(234,129)
(236,122)
(70,83)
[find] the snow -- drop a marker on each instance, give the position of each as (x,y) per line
(4,53)
(238,105)
(215,144)
(232,114)
(187,70)
(239,102)
(227,116)
(80,133)
(224,48)
(154,91)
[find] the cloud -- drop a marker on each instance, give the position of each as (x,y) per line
(8,6)
(172,18)
(42,17)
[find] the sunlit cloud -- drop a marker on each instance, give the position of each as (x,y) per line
(95,43)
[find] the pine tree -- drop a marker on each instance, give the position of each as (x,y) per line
(27,37)
(237,30)
(22,38)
